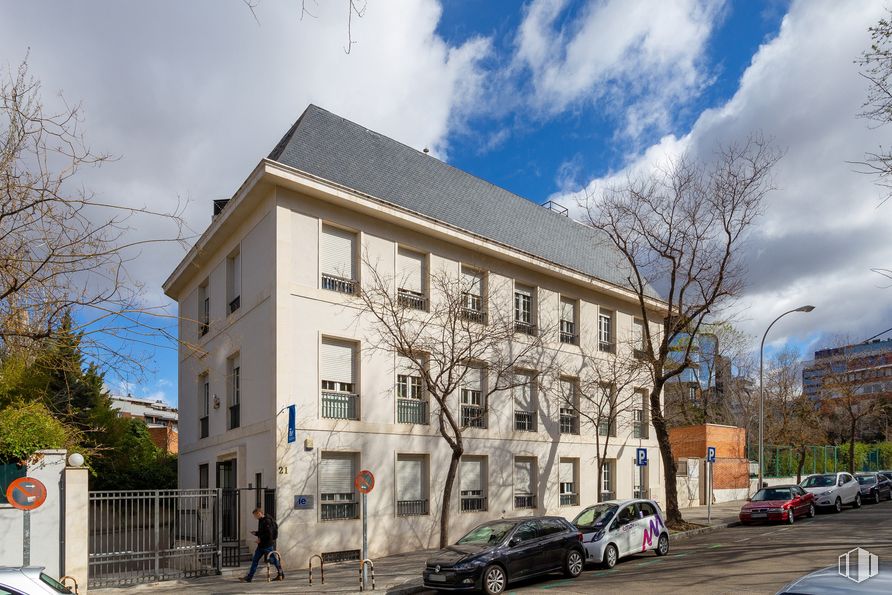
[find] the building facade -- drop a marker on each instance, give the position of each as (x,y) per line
(160,418)
(270,318)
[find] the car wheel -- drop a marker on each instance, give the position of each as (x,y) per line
(857,502)
(837,506)
(494,580)
(573,564)
(663,545)
(811,511)
(611,554)
(791,517)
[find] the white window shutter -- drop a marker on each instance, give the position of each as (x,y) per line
(471,474)
(567,310)
(409,478)
(336,251)
(473,379)
(336,361)
(523,476)
(410,270)
(472,281)
(568,390)
(523,393)
(523,290)
(565,471)
(336,473)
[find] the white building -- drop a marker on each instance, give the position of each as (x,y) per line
(268,320)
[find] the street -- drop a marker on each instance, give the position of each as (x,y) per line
(755,559)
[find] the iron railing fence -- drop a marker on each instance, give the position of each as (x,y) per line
(473,503)
(569,499)
(525,421)
(525,328)
(412,411)
(524,501)
(340,405)
(411,299)
(338,284)
(411,507)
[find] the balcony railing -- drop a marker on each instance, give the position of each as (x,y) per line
(638,354)
(473,315)
(569,423)
(203,329)
(339,284)
(525,328)
(639,429)
(607,495)
(411,299)
(412,411)
(339,511)
(203,429)
(411,507)
(473,416)
(524,501)
(525,421)
(569,499)
(473,503)
(340,405)
(607,346)
(234,417)
(568,338)
(235,304)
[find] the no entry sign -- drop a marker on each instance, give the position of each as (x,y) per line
(26,493)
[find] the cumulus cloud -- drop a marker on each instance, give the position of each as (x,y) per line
(822,230)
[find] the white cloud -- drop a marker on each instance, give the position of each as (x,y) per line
(822,231)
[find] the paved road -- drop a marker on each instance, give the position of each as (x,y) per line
(756,559)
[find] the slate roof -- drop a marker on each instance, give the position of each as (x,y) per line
(332,148)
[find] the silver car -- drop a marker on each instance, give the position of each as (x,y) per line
(29,580)
(833,490)
(618,528)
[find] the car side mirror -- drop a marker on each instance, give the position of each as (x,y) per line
(513,541)
(749,499)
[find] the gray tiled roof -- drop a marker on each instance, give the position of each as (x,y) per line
(335,149)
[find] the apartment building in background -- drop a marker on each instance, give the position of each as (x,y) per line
(160,418)
(270,318)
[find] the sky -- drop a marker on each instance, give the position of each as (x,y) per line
(551,99)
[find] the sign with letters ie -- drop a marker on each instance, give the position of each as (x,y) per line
(641,457)
(710,454)
(303,502)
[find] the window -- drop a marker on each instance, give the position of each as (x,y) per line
(605,331)
(607,480)
(473,484)
(204,404)
(638,348)
(639,487)
(692,393)
(472,284)
(524,482)
(234,281)
(524,403)
(606,413)
(523,310)
(337,249)
(203,477)
(411,404)
(568,322)
(473,406)
(525,532)
(411,485)
(336,495)
(569,422)
(640,421)
(568,478)
(550,526)
(339,400)
(235,390)
(204,309)
(410,279)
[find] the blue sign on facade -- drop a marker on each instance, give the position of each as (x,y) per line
(292,432)
(641,457)
(710,454)
(303,502)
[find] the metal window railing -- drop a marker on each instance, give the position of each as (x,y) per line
(524,501)
(340,405)
(339,284)
(235,304)
(569,422)
(639,430)
(411,299)
(339,511)
(412,411)
(411,507)
(525,421)
(607,346)
(473,416)
(473,503)
(525,328)
(568,338)
(570,499)
(477,316)
(203,427)
(234,416)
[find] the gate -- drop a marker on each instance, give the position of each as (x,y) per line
(152,535)
(236,522)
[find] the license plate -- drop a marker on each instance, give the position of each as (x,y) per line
(760,515)
(436,578)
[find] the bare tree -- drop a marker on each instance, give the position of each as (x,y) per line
(680,229)
(465,331)
(876,67)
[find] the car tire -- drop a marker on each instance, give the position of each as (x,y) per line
(857,502)
(611,555)
(574,562)
(791,517)
(811,511)
(494,579)
(662,545)
(837,506)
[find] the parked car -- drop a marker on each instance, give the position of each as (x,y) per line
(500,552)
(828,581)
(29,580)
(778,503)
(618,528)
(886,473)
(874,486)
(833,490)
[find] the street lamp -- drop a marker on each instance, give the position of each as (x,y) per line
(762,393)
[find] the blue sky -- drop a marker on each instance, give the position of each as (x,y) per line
(548,98)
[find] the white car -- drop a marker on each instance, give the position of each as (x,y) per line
(29,580)
(833,490)
(618,528)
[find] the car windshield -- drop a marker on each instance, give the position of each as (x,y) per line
(819,481)
(595,516)
(488,533)
(867,479)
(772,494)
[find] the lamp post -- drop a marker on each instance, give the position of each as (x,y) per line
(762,392)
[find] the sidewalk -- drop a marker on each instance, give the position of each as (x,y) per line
(723,513)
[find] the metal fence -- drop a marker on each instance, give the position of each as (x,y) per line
(783,461)
(152,535)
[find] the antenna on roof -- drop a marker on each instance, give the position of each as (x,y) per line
(557,208)
(426,150)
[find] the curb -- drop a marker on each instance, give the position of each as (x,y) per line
(702,530)
(409,588)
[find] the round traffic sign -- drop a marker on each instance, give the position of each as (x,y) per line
(26,493)
(364,481)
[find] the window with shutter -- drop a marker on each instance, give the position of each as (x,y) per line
(337,249)
(473,413)
(472,295)
(524,483)
(410,279)
(605,331)
(473,484)
(523,307)
(336,364)
(234,281)
(336,494)
(234,392)
(411,489)
(568,321)
(567,478)
(524,403)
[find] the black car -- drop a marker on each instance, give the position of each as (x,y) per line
(874,486)
(498,552)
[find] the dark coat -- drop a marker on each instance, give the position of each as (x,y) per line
(265,531)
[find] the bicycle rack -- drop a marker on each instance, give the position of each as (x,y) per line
(321,568)
(69,578)
(362,565)
(270,555)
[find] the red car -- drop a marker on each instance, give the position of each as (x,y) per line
(778,503)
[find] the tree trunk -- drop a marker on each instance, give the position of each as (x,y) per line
(852,447)
(447,495)
(673,514)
